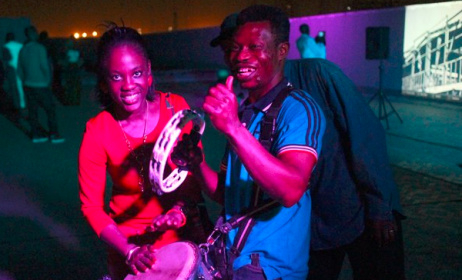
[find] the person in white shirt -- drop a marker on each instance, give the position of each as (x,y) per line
(13,84)
(306,44)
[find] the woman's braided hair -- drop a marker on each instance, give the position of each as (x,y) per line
(116,36)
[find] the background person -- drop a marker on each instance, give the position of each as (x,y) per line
(224,41)
(35,72)
(4,106)
(356,209)
(305,43)
(119,141)
(70,65)
(13,84)
(320,40)
(51,48)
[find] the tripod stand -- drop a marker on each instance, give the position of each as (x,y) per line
(383,100)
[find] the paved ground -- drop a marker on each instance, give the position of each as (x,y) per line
(43,236)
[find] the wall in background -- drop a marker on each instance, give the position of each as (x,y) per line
(345,43)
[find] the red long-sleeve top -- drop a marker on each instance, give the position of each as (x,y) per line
(104,151)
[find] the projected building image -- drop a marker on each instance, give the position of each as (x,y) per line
(432,51)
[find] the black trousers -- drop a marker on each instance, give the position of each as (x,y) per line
(41,97)
(368,261)
(72,84)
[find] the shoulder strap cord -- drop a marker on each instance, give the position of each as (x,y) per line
(268,125)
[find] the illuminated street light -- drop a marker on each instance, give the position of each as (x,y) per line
(94,33)
(84,35)
(76,35)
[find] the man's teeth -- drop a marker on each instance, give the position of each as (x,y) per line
(246,70)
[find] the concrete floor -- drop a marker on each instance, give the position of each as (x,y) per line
(43,235)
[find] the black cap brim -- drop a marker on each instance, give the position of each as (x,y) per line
(216,42)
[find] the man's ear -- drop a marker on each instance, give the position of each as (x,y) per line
(283,50)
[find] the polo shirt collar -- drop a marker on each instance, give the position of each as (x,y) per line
(248,110)
(267,99)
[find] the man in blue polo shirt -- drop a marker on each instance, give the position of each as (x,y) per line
(277,246)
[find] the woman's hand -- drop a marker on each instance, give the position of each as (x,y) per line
(141,259)
(173,219)
(186,152)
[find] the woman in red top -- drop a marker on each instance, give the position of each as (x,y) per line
(119,141)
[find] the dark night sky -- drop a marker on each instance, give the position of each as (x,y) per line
(63,18)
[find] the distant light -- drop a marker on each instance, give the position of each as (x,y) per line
(348,8)
(76,35)
(139,30)
(94,33)
(170,28)
(84,34)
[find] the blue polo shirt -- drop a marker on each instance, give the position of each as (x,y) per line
(281,236)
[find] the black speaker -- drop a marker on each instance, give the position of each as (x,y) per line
(377,42)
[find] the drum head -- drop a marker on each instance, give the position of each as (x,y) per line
(179,260)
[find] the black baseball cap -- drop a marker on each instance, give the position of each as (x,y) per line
(226,29)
